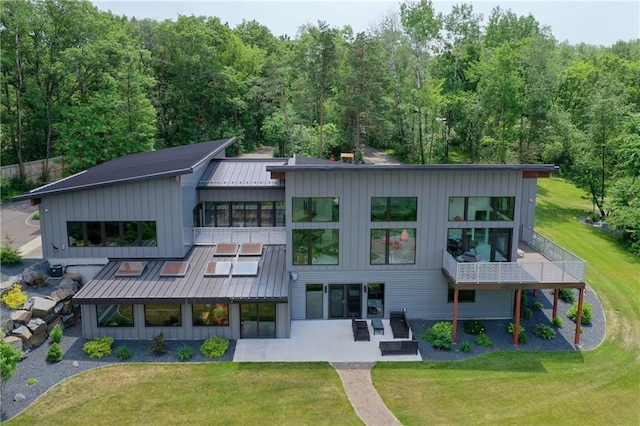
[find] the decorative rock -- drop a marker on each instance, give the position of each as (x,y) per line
(33,278)
(55,322)
(5,286)
(19,397)
(6,325)
(37,325)
(68,284)
(67,307)
(41,306)
(14,341)
(75,364)
(62,294)
(21,316)
(68,319)
(23,333)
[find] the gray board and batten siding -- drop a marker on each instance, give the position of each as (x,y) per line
(420,288)
(158,200)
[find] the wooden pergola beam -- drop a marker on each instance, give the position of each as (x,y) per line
(516,330)
(576,339)
(556,295)
(454,335)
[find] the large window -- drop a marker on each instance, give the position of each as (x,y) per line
(317,209)
(394,209)
(240,214)
(115,315)
(212,314)
(480,244)
(481,208)
(112,234)
(163,315)
(375,300)
(315,246)
(393,246)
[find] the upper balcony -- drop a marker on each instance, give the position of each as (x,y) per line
(204,236)
(541,264)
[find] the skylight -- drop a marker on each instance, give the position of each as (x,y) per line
(251,249)
(226,249)
(174,269)
(218,269)
(130,269)
(245,268)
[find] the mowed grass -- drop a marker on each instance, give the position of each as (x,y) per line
(212,393)
(596,387)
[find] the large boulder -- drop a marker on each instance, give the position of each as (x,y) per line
(38,329)
(14,341)
(57,321)
(54,312)
(23,333)
(75,277)
(34,278)
(41,306)
(62,294)
(68,284)
(6,325)
(21,316)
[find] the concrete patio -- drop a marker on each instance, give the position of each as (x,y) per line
(318,340)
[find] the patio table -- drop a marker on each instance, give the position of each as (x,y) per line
(377,325)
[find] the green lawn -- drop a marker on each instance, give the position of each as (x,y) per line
(212,393)
(587,388)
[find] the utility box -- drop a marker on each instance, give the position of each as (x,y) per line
(56,271)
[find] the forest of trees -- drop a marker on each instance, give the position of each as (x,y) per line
(90,86)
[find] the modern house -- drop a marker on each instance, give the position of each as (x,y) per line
(189,243)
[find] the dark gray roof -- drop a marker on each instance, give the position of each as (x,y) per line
(242,172)
(271,283)
(144,165)
(306,164)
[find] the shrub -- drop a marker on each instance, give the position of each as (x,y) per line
(526,313)
(214,347)
(465,347)
(54,354)
(483,340)
(440,335)
(544,331)
(31,381)
(124,352)
(159,345)
(99,347)
(36,216)
(9,357)
(524,299)
(557,322)
(473,327)
(538,306)
(185,353)
(8,254)
(522,337)
(587,313)
(566,295)
(15,297)
(56,334)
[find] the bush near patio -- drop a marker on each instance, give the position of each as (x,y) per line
(473,327)
(587,313)
(99,347)
(214,347)
(440,335)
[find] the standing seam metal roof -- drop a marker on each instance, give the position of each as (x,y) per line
(144,165)
(271,283)
(240,173)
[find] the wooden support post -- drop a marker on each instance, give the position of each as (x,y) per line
(454,335)
(579,317)
(556,294)
(516,330)
(535,292)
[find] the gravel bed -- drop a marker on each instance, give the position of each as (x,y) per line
(591,337)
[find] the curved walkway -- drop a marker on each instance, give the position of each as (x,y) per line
(356,379)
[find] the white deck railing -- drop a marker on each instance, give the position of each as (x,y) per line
(210,236)
(568,271)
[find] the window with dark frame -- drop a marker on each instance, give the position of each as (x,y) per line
(394,246)
(315,209)
(112,234)
(316,246)
(115,315)
(163,315)
(210,314)
(240,214)
(464,296)
(481,208)
(394,209)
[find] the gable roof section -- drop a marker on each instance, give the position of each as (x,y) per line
(174,161)
(245,173)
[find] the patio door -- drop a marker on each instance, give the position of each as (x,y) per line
(257,320)
(345,300)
